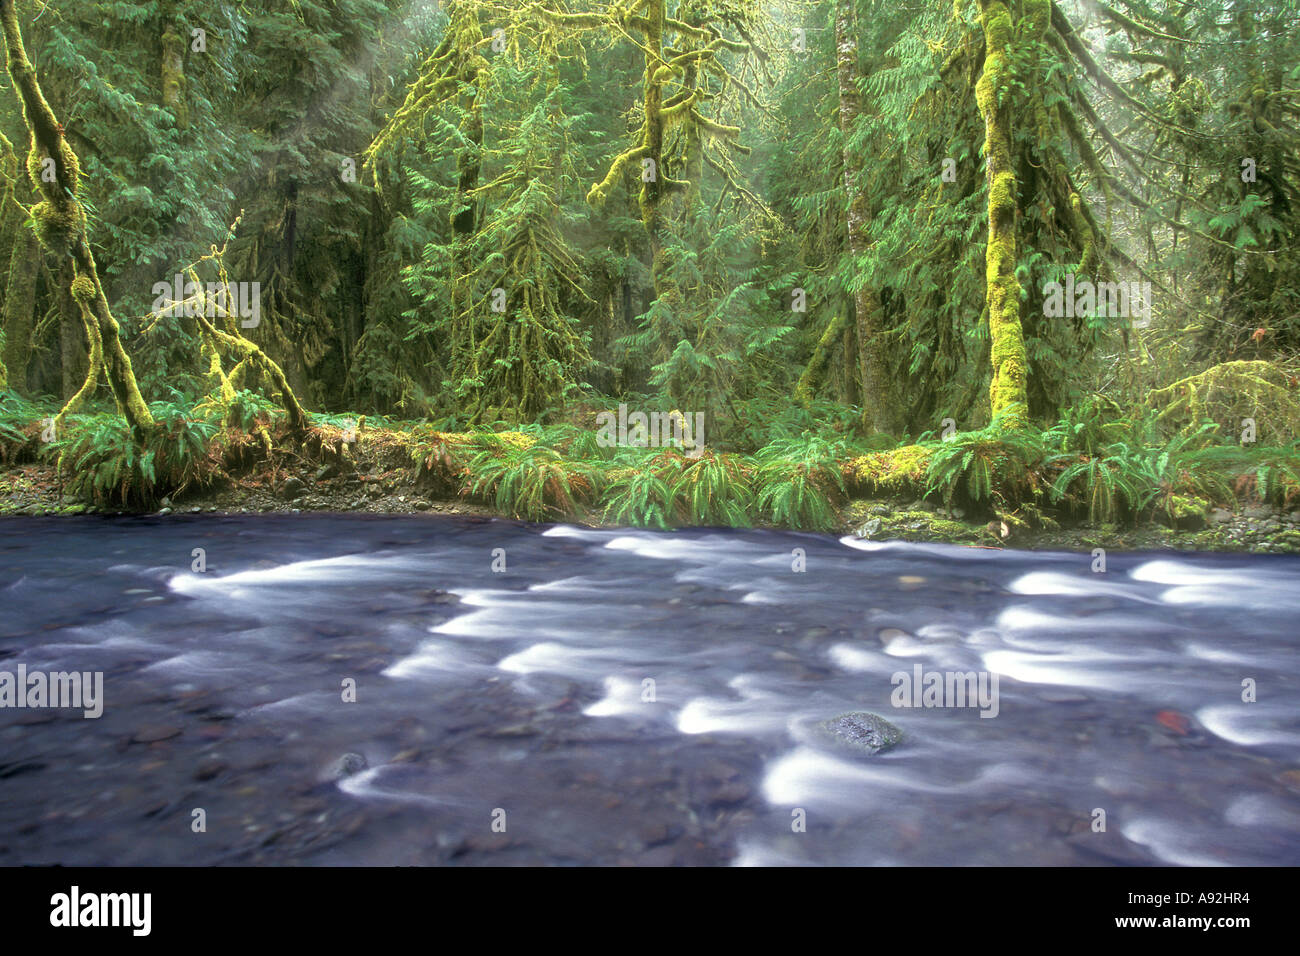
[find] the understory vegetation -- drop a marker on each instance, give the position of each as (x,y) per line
(1088,466)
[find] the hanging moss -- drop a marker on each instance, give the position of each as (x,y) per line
(1228,393)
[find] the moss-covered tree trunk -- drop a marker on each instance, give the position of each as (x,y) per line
(652,143)
(72,331)
(19,276)
(173,72)
(61,223)
(467,66)
(815,373)
(11,225)
(880,411)
(1007,393)
(20,306)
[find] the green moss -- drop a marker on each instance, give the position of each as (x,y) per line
(1187,506)
(83,289)
(1229,392)
(895,470)
(173,76)
(1037,15)
(903,524)
(1288,540)
(67,160)
(35,164)
(997,25)
(1007,393)
(59,225)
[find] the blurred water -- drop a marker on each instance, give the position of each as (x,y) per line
(526,692)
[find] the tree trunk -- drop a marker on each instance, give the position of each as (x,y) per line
(1007,393)
(879,410)
(173,74)
(813,376)
(20,307)
(72,333)
(61,223)
(652,143)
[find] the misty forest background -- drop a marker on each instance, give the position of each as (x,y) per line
(828,226)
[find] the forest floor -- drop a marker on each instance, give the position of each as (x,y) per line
(307,486)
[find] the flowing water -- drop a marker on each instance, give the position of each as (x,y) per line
(635,697)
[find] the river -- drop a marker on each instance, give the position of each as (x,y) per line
(357,690)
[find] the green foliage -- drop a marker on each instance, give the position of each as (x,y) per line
(1272,473)
(1174,477)
(715,489)
(994,465)
(246,412)
(101,462)
(795,495)
(799,479)
(19,421)
(1088,425)
(378,294)
(669,488)
(534,483)
(1188,466)
(767,420)
(643,495)
(1108,483)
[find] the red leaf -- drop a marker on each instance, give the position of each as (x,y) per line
(1174,721)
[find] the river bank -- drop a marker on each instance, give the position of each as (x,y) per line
(369,488)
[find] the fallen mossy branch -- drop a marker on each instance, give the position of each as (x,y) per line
(1229,393)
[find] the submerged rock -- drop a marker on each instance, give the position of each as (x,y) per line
(869,529)
(347,765)
(861,733)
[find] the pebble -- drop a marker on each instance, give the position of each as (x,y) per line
(149,735)
(208,769)
(887,634)
(730,794)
